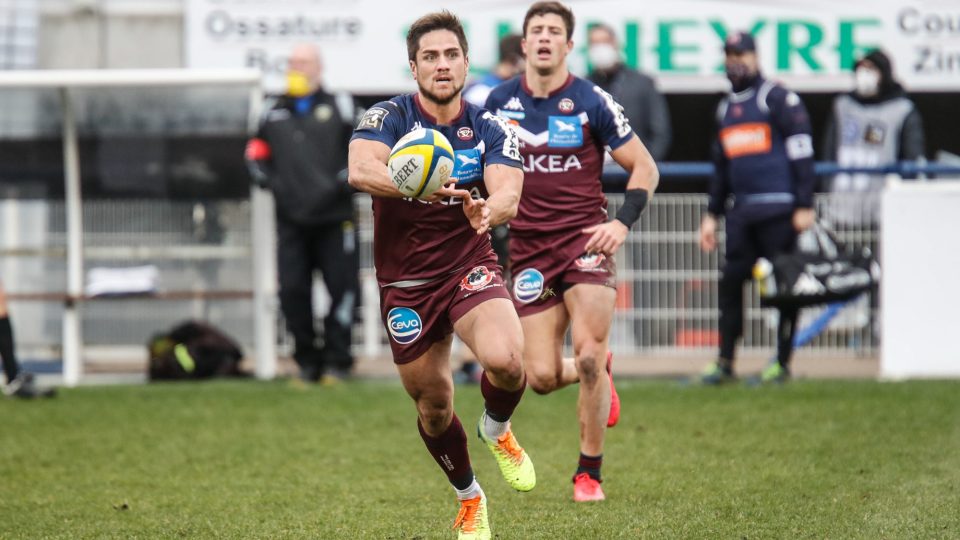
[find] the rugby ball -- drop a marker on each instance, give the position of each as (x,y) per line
(421,162)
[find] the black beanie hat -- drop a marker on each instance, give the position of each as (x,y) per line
(883,63)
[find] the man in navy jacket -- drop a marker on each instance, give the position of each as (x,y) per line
(764,187)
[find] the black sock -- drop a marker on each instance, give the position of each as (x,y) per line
(10,366)
(590,465)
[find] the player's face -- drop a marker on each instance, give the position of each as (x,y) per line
(546,44)
(440,67)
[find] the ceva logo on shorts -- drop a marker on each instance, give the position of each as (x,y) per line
(528,285)
(404,325)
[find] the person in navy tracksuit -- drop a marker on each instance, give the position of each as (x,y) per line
(764,163)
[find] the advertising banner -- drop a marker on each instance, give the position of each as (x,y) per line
(811,44)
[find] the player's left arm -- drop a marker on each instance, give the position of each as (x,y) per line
(502,171)
(504,184)
(791,119)
(644,177)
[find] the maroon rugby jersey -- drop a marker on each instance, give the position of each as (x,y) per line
(563,138)
(414,240)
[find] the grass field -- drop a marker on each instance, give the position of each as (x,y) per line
(814,459)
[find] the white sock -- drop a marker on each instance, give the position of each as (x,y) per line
(473,490)
(493,429)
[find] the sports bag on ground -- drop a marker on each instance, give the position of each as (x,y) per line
(820,271)
(193,350)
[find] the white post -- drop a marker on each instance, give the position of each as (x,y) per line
(263,236)
(72,339)
(372,325)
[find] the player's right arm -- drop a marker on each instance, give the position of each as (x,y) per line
(367,168)
(378,130)
(718,187)
(367,172)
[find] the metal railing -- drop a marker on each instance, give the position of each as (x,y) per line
(667,300)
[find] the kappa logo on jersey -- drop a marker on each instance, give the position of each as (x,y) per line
(564,132)
(373,118)
(513,104)
(404,325)
(528,285)
(590,261)
(466,166)
(565,105)
(746,139)
(477,279)
(465,133)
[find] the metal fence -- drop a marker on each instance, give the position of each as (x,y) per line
(201,247)
(667,294)
(666,305)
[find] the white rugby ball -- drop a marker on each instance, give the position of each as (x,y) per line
(421,162)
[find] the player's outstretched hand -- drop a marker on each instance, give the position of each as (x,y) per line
(477,212)
(606,238)
(446,192)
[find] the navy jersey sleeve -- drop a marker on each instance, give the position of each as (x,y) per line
(383,122)
(611,123)
(720,182)
(790,117)
(501,144)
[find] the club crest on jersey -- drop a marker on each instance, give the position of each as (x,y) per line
(465,133)
(404,325)
(477,279)
(590,261)
(527,285)
(565,105)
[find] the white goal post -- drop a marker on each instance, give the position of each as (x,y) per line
(262,234)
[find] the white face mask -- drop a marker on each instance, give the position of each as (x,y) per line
(603,56)
(867,81)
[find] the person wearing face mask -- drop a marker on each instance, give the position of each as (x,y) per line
(763,155)
(874,125)
(300,154)
(636,92)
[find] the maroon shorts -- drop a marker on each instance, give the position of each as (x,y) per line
(545,266)
(417,317)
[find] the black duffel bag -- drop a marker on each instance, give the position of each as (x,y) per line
(193,350)
(820,271)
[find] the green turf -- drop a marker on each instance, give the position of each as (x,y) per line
(265,460)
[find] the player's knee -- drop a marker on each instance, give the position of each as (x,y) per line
(542,381)
(435,415)
(590,363)
(505,365)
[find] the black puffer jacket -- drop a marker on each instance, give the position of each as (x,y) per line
(300,153)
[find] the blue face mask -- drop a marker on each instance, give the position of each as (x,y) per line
(739,75)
